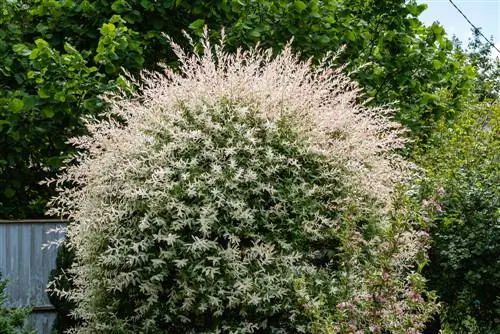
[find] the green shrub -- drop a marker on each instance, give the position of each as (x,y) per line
(11,319)
(244,194)
(462,187)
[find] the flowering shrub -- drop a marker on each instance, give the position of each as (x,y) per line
(244,193)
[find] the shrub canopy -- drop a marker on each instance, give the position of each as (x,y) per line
(244,193)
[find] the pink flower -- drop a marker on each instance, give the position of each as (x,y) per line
(423,234)
(416,297)
(439,208)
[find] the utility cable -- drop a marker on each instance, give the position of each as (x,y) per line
(475,28)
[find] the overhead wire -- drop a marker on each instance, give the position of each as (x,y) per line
(476,29)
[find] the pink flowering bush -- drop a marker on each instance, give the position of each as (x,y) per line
(242,193)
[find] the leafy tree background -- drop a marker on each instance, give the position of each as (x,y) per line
(60,55)
(461,183)
(463,174)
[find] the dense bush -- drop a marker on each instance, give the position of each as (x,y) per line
(462,187)
(11,319)
(247,193)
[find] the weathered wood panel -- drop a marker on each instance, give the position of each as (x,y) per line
(27,265)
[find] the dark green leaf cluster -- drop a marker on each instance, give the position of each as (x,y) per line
(408,62)
(480,54)
(462,189)
(43,93)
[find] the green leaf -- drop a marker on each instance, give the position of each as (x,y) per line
(146,4)
(255,33)
(117,19)
(437,64)
(108,29)
(43,93)
(70,49)
(351,36)
(9,192)
(16,105)
(42,28)
(415,9)
(15,135)
(2,123)
(41,43)
(34,54)
(60,96)
(437,29)
(324,39)
(119,6)
(197,25)
(110,68)
(48,112)
(300,5)
(21,49)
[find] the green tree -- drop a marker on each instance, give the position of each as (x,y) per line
(43,94)
(487,83)
(409,63)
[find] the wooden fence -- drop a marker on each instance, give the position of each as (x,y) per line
(27,266)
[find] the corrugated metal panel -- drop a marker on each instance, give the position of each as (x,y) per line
(42,322)
(26,266)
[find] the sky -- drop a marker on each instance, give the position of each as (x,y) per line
(484,14)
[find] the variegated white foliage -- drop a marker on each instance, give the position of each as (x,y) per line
(224,182)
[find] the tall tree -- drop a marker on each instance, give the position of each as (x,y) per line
(480,53)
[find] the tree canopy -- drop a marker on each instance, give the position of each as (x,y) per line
(60,55)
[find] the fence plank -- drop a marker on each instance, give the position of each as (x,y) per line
(33,221)
(26,266)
